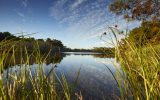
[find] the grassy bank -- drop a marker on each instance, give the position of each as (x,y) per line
(140,66)
(142,72)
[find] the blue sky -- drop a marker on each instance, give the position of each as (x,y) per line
(77,23)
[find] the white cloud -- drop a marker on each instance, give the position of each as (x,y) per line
(87,19)
(20,14)
(76,4)
(93,17)
(25,3)
(57,10)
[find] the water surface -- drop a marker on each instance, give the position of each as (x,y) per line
(95,81)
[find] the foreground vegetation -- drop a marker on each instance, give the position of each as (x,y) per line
(22,83)
(139,52)
(139,59)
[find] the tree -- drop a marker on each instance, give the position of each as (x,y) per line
(137,9)
(148,32)
(57,43)
(6,35)
(40,40)
(54,42)
(48,40)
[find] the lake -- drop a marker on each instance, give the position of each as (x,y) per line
(95,80)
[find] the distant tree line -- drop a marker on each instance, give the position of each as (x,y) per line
(30,44)
(22,43)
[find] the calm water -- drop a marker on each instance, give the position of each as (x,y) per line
(95,81)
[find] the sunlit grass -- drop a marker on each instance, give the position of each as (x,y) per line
(140,67)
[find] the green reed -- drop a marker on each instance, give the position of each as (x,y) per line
(25,83)
(140,66)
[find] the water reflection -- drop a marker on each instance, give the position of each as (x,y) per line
(16,59)
(95,80)
(103,56)
(55,58)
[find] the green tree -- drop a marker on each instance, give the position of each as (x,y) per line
(6,35)
(54,42)
(148,32)
(57,43)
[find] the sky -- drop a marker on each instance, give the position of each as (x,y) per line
(77,23)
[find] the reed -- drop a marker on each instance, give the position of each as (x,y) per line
(140,69)
(21,83)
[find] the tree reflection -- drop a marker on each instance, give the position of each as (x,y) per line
(55,59)
(17,59)
(103,56)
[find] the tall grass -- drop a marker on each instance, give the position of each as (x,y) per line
(140,67)
(27,84)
